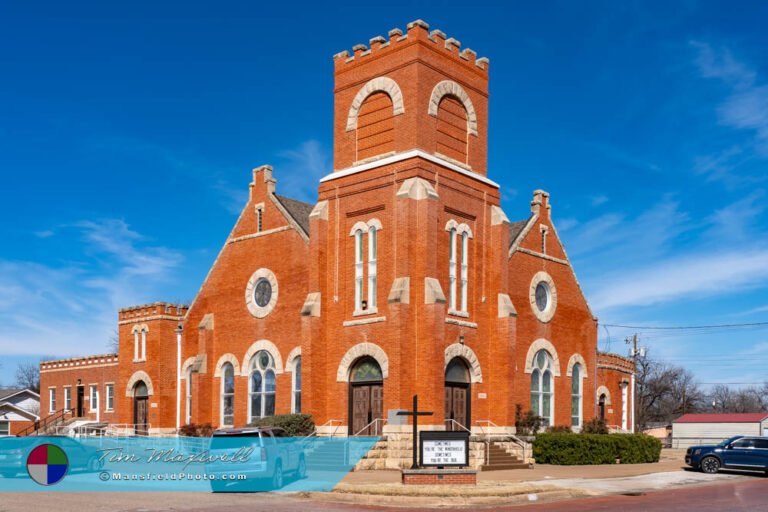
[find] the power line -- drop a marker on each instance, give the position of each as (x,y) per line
(688,327)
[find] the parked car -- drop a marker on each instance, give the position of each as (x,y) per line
(273,457)
(739,452)
(82,457)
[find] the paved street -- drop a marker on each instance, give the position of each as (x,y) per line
(743,494)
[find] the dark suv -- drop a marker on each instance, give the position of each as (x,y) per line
(740,452)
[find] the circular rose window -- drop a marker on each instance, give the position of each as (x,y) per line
(543,296)
(261,293)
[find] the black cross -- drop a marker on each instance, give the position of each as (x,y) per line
(415,413)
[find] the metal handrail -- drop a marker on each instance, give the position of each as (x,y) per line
(454,422)
(113,428)
(327,423)
(383,420)
(49,420)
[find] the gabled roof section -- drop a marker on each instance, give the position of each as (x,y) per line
(7,393)
(299,210)
(19,410)
(749,417)
(515,228)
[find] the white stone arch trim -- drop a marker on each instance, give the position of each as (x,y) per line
(366,226)
(358,351)
(185,366)
(577,358)
(549,313)
(137,376)
(460,228)
(257,347)
(602,390)
(378,84)
(139,328)
(542,344)
(449,87)
(290,361)
(468,355)
(226,358)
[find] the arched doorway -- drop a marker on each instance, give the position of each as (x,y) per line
(140,409)
(601,406)
(366,397)
(457,395)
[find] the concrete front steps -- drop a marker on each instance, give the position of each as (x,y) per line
(499,458)
(395,451)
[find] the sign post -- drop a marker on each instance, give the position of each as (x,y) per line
(415,413)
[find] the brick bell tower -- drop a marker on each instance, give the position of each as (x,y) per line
(408,243)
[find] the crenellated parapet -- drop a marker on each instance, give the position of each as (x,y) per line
(416,30)
(154,310)
(79,362)
(611,361)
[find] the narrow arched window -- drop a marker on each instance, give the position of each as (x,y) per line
(452,269)
(464,270)
(143,344)
(136,345)
(188,418)
(542,387)
(296,406)
(372,267)
(359,270)
(576,395)
(262,386)
(227,394)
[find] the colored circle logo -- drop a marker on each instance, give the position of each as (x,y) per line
(47,464)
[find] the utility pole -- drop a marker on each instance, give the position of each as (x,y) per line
(633,340)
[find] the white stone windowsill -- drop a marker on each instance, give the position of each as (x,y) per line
(462,323)
(365,312)
(139,360)
(364,321)
(463,314)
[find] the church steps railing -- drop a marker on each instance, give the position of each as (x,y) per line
(49,421)
(491,438)
(375,422)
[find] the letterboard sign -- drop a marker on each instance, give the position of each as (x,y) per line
(444,449)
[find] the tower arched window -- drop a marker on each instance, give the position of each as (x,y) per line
(542,387)
(366,275)
(262,386)
(227,394)
(576,395)
(458,267)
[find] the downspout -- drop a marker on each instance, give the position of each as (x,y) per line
(179,330)
(632,401)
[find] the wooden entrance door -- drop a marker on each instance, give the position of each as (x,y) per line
(367,406)
(140,415)
(457,406)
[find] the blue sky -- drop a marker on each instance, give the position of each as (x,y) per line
(127,135)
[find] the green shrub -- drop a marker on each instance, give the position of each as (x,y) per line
(589,449)
(595,426)
(526,423)
(295,425)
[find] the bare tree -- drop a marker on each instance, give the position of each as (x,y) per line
(664,392)
(28,376)
(113,344)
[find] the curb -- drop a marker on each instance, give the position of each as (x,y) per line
(444,501)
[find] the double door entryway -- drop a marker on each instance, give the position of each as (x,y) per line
(366,397)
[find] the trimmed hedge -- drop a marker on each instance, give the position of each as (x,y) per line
(295,425)
(590,449)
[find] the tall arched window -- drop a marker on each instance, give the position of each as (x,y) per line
(372,267)
(227,394)
(296,406)
(144,344)
(188,419)
(136,352)
(458,267)
(452,269)
(359,270)
(576,395)
(542,387)
(262,386)
(365,300)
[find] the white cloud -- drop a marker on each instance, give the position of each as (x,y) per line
(298,170)
(598,200)
(698,274)
(71,309)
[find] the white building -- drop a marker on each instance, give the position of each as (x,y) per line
(693,429)
(19,408)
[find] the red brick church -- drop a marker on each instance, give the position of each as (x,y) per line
(405,277)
